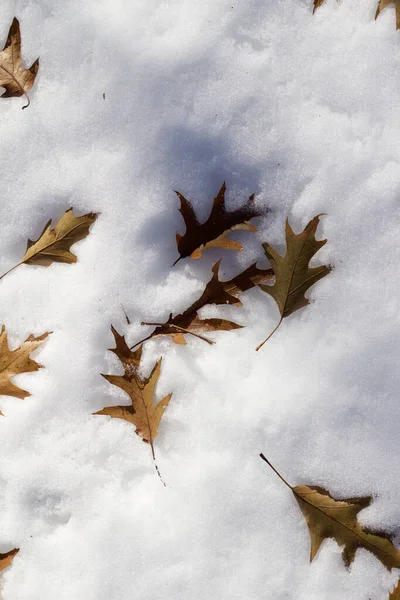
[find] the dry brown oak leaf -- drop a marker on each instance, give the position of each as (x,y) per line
(214,231)
(15,362)
(215,292)
(293,276)
(7,558)
(54,244)
(327,517)
(382,4)
(13,77)
(142,413)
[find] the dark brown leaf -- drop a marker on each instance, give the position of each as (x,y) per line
(213,233)
(215,292)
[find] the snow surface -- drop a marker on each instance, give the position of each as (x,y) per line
(302,110)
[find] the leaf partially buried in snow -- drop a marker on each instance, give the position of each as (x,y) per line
(293,275)
(142,413)
(328,517)
(15,362)
(214,231)
(382,4)
(54,244)
(7,558)
(13,77)
(215,292)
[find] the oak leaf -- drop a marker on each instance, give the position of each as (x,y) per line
(142,413)
(328,517)
(395,595)
(15,362)
(53,245)
(293,276)
(215,292)
(13,77)
(214,231)
(7,558)
(382,4)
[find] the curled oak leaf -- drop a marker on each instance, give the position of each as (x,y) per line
(382,4)
(293,276)
(13,77)
(54,243)
(142,413)
(15,362)
(327,517)
(214,231)
(7,558)
(215,292)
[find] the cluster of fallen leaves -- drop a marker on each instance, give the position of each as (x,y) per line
(290,277)
(53,245)
(287,281)
(382,4)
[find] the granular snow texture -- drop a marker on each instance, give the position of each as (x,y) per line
(136,99)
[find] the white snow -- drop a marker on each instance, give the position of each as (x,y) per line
(302,110)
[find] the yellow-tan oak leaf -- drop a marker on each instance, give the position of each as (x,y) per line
(382,4)
(15,362)
(54,243)
(214,231)
(142,412)
(13,76)
(328,517)
(293,275)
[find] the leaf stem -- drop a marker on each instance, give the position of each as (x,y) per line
(270,335)
(154,457)
(12,269)
(177,260)
(182,329)
(275,471)
(141,341)
(158,472)
(126,315)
